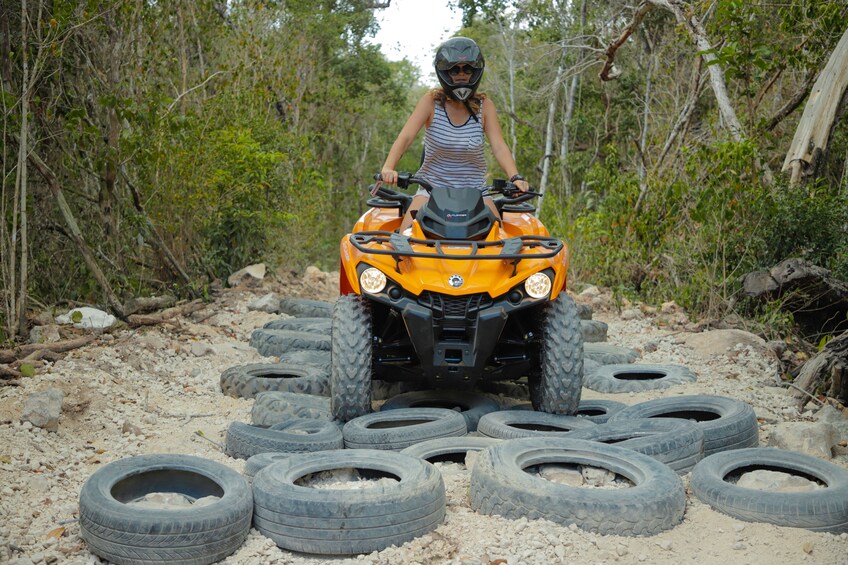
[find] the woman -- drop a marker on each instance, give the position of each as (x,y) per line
(456,118)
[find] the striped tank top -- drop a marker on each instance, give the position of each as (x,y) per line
(453,155)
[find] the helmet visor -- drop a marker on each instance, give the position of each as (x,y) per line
(444,64)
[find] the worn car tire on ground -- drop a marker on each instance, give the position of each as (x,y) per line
(727,423)
(197,535)
(400,428)
(449,448)
(675,442)
(256,463)
(606,354)
(277,342)
(246,381)
(295,435)
(502,485)
(305,308)
(594,331)
(511,424)
(556,387)
(323,521)
(594,410)
(351,359)
(518,389)
(471,405)
(822,510)
(312,325)
(636,377)
(273,407)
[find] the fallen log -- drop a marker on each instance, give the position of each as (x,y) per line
(826,372)
(10,355)
(165,316)
(817,300)
(149,304)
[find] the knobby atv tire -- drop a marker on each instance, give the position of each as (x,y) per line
(350,361)
(400,428)
(555,388)
(296,435)
(246,381)
(636,377)
(727,423)
(512,424)
(305,308)
(348,521)
(677,443)
(472,406)
(821,510)
(502,485)
(121,533)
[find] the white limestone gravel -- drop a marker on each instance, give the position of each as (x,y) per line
(150,389)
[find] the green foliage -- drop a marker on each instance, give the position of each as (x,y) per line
(242,196)
(809,222)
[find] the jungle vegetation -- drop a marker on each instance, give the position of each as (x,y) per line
(152,147)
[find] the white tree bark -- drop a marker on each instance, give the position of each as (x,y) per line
(549,134)
(509,55)
(820,112)
(20,304)
(569,111)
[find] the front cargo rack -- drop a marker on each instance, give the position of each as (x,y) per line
(402,247)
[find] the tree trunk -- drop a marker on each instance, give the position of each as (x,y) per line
(643,138)
(684,15)
(549,135)
(814,129)
(685,114)
(20,305)
(569,111)
(76,234)
(107,193)
(826,371)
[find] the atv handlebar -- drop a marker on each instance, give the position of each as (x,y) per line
(499,186)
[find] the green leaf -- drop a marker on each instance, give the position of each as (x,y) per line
(76,316)
(27,370)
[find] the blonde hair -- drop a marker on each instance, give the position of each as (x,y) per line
(439,96)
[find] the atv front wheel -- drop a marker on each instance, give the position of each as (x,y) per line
(555,386)
(350,361)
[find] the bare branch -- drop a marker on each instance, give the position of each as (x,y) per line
(641,11)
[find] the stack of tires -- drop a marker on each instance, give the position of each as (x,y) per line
(394,453)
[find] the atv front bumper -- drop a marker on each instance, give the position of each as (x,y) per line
(454,339)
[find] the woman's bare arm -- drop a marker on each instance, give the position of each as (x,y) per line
(420,117)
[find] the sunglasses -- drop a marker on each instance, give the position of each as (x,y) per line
(463,69)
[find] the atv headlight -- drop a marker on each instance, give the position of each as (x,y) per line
(538,285)
(372,280)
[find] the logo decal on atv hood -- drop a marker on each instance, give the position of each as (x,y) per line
(455,281)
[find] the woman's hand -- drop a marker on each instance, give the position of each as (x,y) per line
(389,176)
(522,185)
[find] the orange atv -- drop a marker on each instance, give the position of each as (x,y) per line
(465,295)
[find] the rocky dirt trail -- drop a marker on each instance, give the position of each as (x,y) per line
(149,390)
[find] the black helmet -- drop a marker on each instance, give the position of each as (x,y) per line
(456,51)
